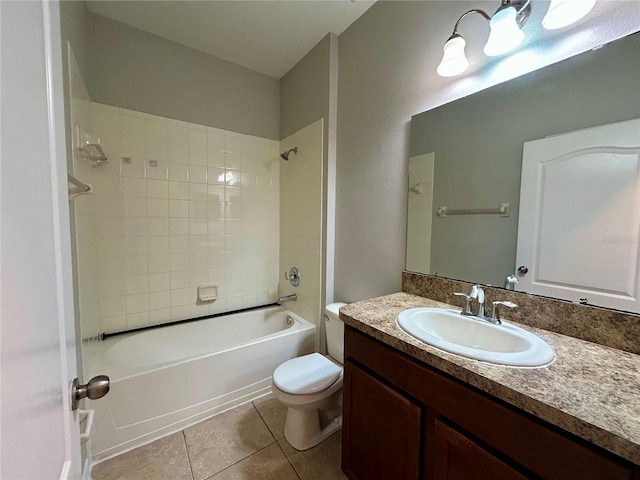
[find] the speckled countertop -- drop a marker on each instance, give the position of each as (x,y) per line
(589,390)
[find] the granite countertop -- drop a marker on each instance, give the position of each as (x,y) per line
(589,390)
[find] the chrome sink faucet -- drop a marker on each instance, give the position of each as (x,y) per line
(476,297)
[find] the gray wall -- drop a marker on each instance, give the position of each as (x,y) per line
(304,90)
(478,142)
(387,68)
(140,71)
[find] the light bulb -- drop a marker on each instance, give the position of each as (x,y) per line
(565,12)
(454,61)
(505,33)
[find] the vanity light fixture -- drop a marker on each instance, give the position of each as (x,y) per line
(506,33)
(565,12)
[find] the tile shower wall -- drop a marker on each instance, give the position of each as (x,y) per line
(301,220)
(181,205)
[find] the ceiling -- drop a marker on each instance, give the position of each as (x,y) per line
(269,37)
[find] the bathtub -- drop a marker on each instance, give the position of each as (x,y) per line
(165,379)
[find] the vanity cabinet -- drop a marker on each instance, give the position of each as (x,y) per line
(406,420)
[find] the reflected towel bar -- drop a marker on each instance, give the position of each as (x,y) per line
(504,211)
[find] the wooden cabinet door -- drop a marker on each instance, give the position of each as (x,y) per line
(381,430)
(459,458)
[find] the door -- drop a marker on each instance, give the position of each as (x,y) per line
(381,429)
(40,433)
(579,224)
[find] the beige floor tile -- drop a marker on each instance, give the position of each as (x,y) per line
(321,462)
(273,413)
(163,459)
(223,440)
(267,464)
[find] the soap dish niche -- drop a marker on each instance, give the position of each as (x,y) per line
(207,293)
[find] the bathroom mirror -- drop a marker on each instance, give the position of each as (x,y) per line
(466,162)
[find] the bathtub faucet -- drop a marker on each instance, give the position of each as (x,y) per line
(287,298)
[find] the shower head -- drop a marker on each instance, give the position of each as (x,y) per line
(285,155)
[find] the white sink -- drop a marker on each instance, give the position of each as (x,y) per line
(504,344)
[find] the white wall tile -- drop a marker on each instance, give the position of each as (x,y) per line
(180,279)
(197,174)
(198,226)
(160,300)
(160,316)
(154,233)
(178,172)
(158,245)
(159,281)
(180,313)
(133,167)
(137,284)
(179,261)
(198,191)
(137,320)
(181,296)
(178,226)
(157,189)
(135,226)
(157,207)
(178,190)
(178,208)
(135,207)
(136,265)
(177,152)
(158,226)
(157,169)
(179,244)
(197,140)
(159,263)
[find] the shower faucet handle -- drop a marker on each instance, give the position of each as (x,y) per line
(293,275)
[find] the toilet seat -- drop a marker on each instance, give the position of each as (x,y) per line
(305,375)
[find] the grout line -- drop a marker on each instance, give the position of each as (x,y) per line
(289,460)
(265,422)
(241,460)
(184,438)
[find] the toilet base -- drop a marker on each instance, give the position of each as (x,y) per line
(304,429)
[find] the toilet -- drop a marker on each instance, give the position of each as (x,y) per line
(311,388)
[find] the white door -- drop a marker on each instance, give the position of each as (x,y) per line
(40,433)
(579,224)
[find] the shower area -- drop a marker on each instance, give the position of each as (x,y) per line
(183,245)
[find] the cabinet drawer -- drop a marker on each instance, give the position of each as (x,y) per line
(460,458)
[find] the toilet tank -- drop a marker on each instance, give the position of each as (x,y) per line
(335,331)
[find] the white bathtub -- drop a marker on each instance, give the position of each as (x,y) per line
(165,379)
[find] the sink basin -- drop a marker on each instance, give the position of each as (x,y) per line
(504,344)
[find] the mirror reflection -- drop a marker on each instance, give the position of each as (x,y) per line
(534,184)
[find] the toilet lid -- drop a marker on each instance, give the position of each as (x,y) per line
(306,374)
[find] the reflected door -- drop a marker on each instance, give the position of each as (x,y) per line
(579,221)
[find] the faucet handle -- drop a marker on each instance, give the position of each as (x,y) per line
(467,303)
(495,310)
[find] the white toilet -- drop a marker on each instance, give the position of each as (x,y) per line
(311,387)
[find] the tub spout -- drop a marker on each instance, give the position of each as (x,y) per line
(287,298)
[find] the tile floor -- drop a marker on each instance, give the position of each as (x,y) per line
(244,443)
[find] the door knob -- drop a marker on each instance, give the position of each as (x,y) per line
(97,387)
(523,270)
